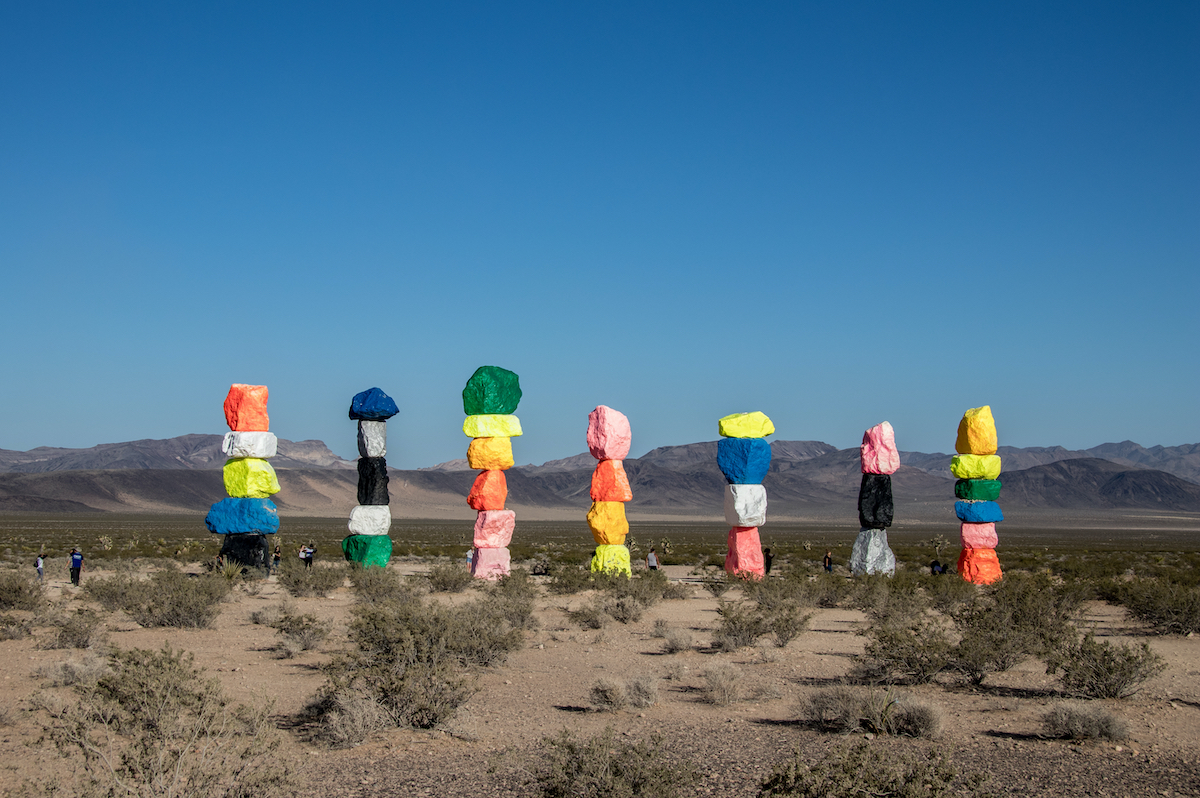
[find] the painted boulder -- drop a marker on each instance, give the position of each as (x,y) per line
(489,491)
(490,454)
(493,426)
(608,523)
(745,505)
(878,453)
(491,391)
(609,436)
(250,478)
(745,425)
(494,528)
(744,461)
(262,445)
(977,432)
(372,405)
(744,557)
(241,516)
(246,408)
(610,483)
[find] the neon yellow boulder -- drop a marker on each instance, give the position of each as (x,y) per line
(611,559)
(250,478)
(977,432)
(745,425)
(492,426)
(975,466)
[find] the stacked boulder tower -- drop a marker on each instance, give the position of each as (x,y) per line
(977,467)
(371,520)
(248,515)
(490,398)
(879,459)
(744,457)
(609,438)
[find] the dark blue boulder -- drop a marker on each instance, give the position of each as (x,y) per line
(372,405)
(744,461)
(238,516)
(978,512)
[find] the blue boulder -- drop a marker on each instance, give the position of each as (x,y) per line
(238,516)
(744,461)
(372,405)
(978,512)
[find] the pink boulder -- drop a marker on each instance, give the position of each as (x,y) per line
(745,557)
(979,536)
(490,563)
(494,529)
(608,435)
(878,450)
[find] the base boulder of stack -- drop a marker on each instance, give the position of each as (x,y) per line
(490,563)
(745,557)
(248,549)
(612,559)
(871,554)
(980,566)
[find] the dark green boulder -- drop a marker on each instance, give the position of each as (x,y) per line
(978,490)
(368,549)
(491,391)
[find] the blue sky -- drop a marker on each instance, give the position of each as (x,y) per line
(836,213)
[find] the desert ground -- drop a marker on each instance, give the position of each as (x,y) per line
(491,747)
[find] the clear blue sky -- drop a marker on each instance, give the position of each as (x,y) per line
(836,213)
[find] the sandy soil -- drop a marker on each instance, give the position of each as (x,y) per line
(489,749)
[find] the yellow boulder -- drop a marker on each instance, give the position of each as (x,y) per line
(250,478)
(975,466)
(490,454)
(745,425)
(611,559)
(977,432)
(608,523)
(492,426)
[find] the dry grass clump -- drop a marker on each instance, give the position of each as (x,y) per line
(1075,721)
(843,710)
(13,628)
(608,695)
(676,640)
(88,670)
(449,577)
(866,769)
(605,767)
(722,684)
(318,581)
(19,592)
(1102,670)
(78,630)
(299,633)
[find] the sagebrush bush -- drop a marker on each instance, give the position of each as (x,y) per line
(19,592)
(1168,607)
(722,684)
(677,640)
(167,598)
(844,710)
(382,584)
(592,615)
(115,592)
(661,627)
(608,695)
(318,581)
(77,630)
(13,628)
(83,671)
(1074,721)
(449,577)
(175,731)
(513,598)
(717,584)
(624,609)
(866,769)
(740,625)
(786,623)
(1102,670)
(642,691)
(569,579)
(914,650)
(605,767)
(300,633)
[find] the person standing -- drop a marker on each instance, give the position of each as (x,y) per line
(768,557)
(276,558)
(652,560)
(309,552)
(76,566)
(828,562)
(40,564)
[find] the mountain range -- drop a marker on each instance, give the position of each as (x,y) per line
(807,479)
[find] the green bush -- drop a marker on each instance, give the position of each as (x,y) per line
(740,625)
(19,592)
(1102,670)
(869,769)
(567,580)
(382,584)
(1168,607)
(844,710)
(451,577)
(318,581)
(174,730)
(1073,721)
(182,602)
(913,650)
(605,767)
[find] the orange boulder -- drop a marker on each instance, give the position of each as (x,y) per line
(246,408)
(979,566)
(489,491)
(609,482)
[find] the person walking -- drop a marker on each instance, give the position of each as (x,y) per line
(76,566)
(40,564)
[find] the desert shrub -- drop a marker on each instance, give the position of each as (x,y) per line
(270,615)
(786,623)
(946,593)
(592,615)
(740,625)
(65,674)
(772,594)
(116,592)
(78,630)
(449,577)
(826,590)
(348,718)
(19,592)
(885,599)
(180,602)
(717,584)
(1102,670)
(722,684)
(1168,607)
(608,695)
(604,767)
(381,584)
(13,628)
(568,580)
(1074,721)
(155,726)
(318,581)
(677,640)
(642,691)
(512,598)
(624,609)
(299,633)
(661,627)
(914,649)
(866,769)
(844,709)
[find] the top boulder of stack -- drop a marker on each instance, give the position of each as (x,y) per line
(491,391)
(246,408)
(977,432)
(372,405)
(745,425)
(878,451)
(609,436)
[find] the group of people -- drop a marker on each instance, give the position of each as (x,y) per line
(76,566)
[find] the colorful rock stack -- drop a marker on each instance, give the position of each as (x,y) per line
(608,439)
(744,456)
(977,467)
(489,399)
(247,516)
(368,542)
(880,459)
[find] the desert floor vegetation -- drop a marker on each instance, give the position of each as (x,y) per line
(352,682)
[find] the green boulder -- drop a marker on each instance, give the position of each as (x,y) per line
(491,391)
(368,549)
(978,490)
